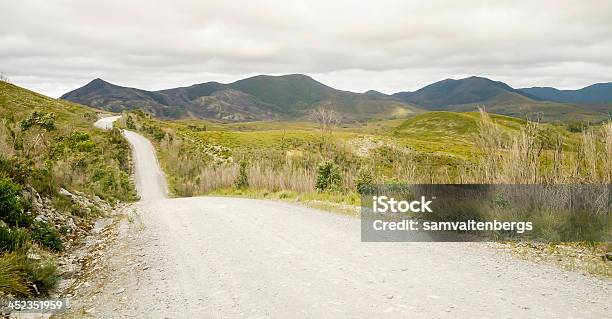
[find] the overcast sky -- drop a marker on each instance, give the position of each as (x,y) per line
(56,46)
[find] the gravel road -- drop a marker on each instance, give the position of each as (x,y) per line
(213,257)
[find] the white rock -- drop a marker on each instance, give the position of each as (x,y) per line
(65,192)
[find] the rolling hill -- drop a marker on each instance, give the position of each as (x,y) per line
(444,132)
(260,97)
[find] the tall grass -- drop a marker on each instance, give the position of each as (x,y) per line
(530,157)
(13,278)
(207,177)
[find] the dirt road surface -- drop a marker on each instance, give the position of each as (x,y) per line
(217,257)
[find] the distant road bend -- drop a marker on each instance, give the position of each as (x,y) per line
(218,257)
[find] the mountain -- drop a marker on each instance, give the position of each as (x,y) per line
(600,93)
(440,95)
(103,95)
(261,97)
(464,95)
(374,93)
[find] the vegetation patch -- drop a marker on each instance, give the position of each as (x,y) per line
(46,147)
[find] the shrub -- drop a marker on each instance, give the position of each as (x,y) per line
(76,142)
(80,141)
(242,180)
(43,120)
(65,205)
(129,123)
(328,177)
(42,180)
(43,275)
(21,276)
(363,180)
(15,169)
(48,236)
(13,240)
(157,133)
(576,126)
(11,210)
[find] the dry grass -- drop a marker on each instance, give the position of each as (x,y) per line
(13,279)
(527,160)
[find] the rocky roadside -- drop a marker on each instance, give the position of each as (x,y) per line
(85,239)
(592,260)
(86,268)
(110,263)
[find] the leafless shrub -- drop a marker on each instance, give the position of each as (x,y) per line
(326,118)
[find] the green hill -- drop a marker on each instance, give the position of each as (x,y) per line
(452,132)
(54,168)
(72,154)
(439,126)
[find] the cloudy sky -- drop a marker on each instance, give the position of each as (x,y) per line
(56,46)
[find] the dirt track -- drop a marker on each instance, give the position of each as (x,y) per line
(234,258)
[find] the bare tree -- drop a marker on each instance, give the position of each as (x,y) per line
(326,118)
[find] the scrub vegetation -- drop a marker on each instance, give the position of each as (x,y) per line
(331,164)
(47,145)
(434,147)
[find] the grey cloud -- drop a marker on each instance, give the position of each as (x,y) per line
(54,46)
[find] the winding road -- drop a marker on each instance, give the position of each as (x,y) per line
(218,257)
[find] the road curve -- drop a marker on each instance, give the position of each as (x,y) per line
(150,181)
(213,257)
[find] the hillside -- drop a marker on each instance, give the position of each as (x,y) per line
(57,174)
(257,98)
(460,127)
(600,93)
(497,97)
(456,133)
(97,150)
(545,111)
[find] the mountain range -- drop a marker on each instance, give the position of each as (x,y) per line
(294,96)
(256,98)
(600,93)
